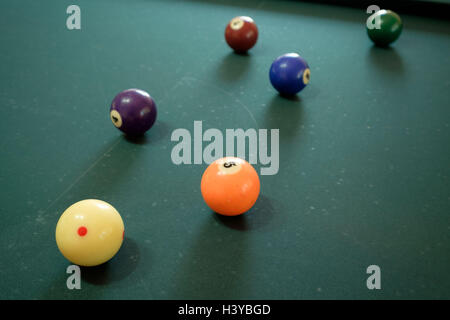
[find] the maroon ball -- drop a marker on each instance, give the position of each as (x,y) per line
(133,111)
(241,34)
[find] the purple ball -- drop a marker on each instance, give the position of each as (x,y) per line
(133,111)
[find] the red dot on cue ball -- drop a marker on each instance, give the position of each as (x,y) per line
(82,231)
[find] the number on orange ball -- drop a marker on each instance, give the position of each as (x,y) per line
(89,232)
(230,186)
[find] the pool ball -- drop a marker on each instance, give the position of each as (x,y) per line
(390,27)
(230,186)
(289,74)
(89,232)
(241,34)
(133,111)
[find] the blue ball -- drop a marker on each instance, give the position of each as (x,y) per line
(289,74)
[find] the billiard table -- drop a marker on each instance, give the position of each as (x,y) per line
(357,190)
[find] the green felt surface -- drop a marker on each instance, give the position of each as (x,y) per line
(364,151)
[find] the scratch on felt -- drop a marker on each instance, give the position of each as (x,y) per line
(171,90)
(100,83)
(97,161)
(227,93)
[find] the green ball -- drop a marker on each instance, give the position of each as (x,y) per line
(388,29)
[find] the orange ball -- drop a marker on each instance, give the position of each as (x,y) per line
(230,186)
